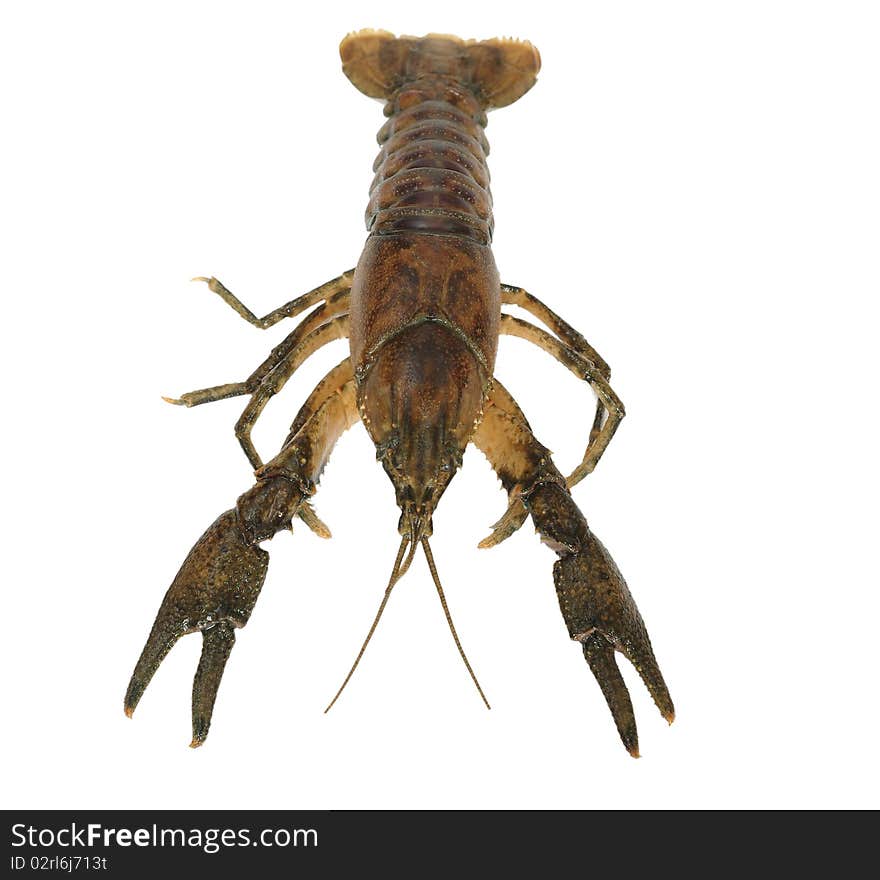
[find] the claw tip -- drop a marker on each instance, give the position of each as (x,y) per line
(634,751)
(175,400)
(199,731)
(132,697)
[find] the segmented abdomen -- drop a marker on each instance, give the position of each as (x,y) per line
(431,173)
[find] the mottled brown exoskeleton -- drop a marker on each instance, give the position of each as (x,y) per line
(423,312)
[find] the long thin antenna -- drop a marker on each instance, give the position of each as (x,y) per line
(430,557)
(409,558)
(396,573)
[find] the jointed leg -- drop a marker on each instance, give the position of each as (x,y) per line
(219,582)
(511,295)
(209,395)
(596,604)
(306,452)
(505,438)
(288,310)
(516,296)
(602,431)
(333,383)
(330,384)
(274,381)
(337,304)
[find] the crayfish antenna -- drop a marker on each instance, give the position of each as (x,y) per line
(396,574)
(430,557)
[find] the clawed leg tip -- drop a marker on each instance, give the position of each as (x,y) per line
(175,400)
(199,734)
(667,710)
(211,281)
(630,742)
(132,697)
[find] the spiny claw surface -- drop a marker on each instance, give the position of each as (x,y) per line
(214,592)
(599,653)
(600,612)
(217,642)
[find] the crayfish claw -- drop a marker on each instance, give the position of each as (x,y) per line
(600,656)
(599,612)
(217,642)
(642,657)
(596,604)
(162,638)
(214,592)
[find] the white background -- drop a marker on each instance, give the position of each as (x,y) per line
(694,185)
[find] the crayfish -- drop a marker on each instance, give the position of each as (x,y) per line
(423,313)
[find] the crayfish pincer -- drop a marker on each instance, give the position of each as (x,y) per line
(423,313)
(214,591)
